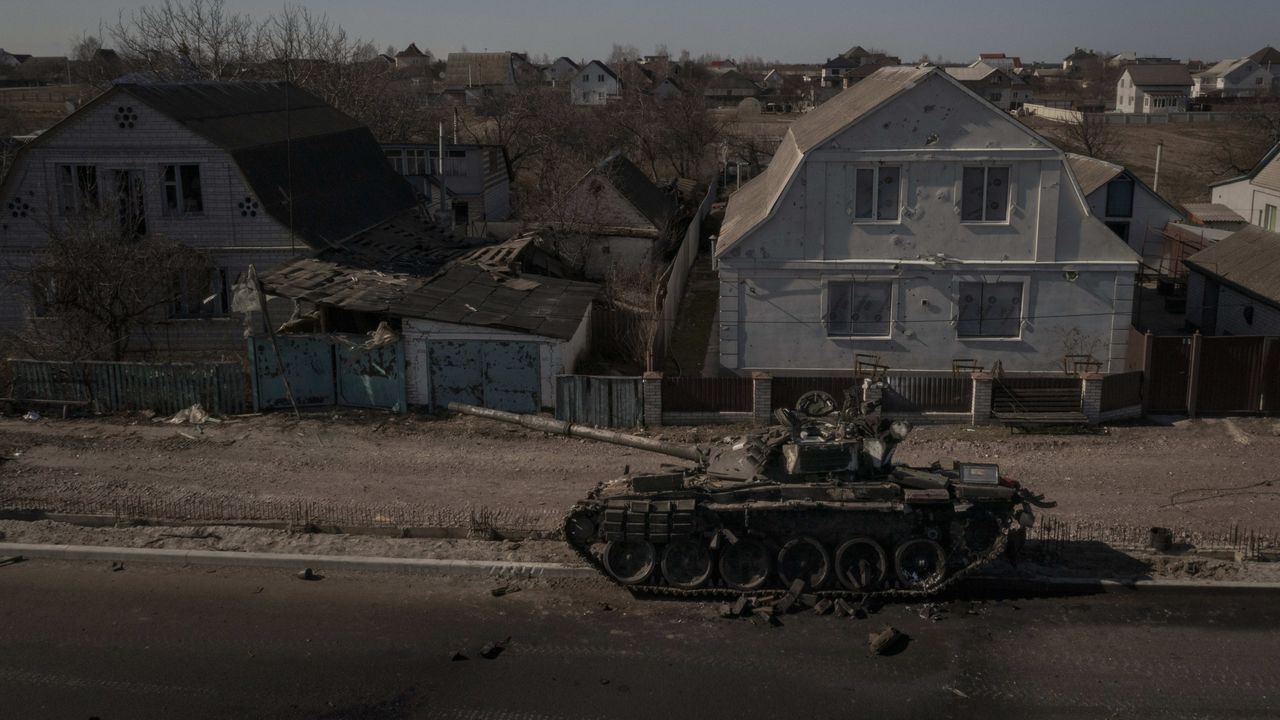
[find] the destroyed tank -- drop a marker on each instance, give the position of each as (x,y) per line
(814,502)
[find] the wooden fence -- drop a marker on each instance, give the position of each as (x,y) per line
(1216,375)
(132,386)
(600,401)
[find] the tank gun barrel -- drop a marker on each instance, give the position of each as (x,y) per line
(561,427)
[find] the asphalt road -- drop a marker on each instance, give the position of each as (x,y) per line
(80,641)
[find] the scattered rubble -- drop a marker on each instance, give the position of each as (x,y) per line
(503,590)
(117,566)
(888,641)
(494,649)
(309,574)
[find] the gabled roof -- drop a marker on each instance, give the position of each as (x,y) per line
(1223,68)
(656,206)
(1248,259)
(288,145)
(607,70)
(731,80)
(840,61)
(572,64)
(411,51)
(1266,173)
(973,73)
(1163,74)
(467,69)
(1266,55)
(1092,173)
(754,203)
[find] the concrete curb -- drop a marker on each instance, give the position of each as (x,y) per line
(512,569)
(297,562)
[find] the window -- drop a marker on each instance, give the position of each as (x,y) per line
(586,77)
(77,187)
(989,310)
(415,162)
(202,295)
(875,193)
(130,198)
(456,153)
(984,194)
(182,190)
(1120,197)
(1269,217)
(1121,229)
(600,77)
(859,309)
(396,158)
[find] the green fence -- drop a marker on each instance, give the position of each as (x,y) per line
(110,387)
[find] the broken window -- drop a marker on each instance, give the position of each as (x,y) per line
(182,193)
(984,194)
(875,193)
(859,309)
(77,187)
(415,162)
(130,197)
(202,295)
(989,309)
(396,158)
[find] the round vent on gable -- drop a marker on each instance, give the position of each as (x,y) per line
(126,117)
(19,208)
(248,207)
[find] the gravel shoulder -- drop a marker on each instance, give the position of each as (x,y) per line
(1199,477)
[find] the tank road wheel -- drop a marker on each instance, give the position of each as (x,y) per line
(580,529)
(686,563)
(804,558)
(861,564)
(630,562)
(746,564)
(920,563)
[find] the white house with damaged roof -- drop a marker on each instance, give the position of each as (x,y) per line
(910,221)
(1252,76)
(1255,197)
(1128,206)
(1153,89)
(247,173)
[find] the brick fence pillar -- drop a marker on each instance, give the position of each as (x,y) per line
(1091,397)
(980,409)
(761,397)
(651,392)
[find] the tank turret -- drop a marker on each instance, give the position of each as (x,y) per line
(814,500)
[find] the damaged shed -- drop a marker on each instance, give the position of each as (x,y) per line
(490,325)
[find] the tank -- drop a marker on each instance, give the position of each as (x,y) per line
(813,502)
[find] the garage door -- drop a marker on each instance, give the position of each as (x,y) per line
(498,374)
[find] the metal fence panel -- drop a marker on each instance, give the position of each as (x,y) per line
(1230,375)
(1170,359)
(1122,390)
(927,393)
(308,363)
(111,387)
(699,394)
(372,378)
(1271,376)
(600,401)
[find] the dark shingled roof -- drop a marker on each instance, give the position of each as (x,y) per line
(407,268)
(1248,259)
(1165,74)
(1092,173)
(657,206)
(471,69)
(285,142)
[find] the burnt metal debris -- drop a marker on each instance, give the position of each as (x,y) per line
(811,507)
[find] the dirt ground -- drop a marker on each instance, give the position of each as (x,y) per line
(1204,476)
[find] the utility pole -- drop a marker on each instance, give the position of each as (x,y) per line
(1155,186)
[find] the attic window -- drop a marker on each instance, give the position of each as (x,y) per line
(125,117)
(19,208)
(248,207)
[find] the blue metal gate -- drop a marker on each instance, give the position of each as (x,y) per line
(499,374)
(371,378)
(308,363)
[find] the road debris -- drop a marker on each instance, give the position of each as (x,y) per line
(933,612)
(888,641)
(31,416)
(494,649)
(458,656)
(116,566)
(309,574)
(503,590)
(822,607)
(11,560)
(954,691)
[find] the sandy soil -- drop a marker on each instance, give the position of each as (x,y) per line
(1195,476)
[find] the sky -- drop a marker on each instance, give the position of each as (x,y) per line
(783,30)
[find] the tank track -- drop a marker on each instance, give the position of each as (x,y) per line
(715,593)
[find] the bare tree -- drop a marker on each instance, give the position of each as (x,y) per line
(622,54)
(189,40)
(1091,135)
(1247,137)
(98,284)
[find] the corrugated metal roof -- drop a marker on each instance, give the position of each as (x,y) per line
(293,149)
(1212,212)
(973,73)
(1249,259)
(1092,173)
(1161,74)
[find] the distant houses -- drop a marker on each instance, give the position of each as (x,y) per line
(1252,76)
(1003,88)
(1153,89)
(594,84)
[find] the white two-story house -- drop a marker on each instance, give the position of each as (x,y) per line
(1256,196)
(594,84)
(246,173)
(1252,76)
(1153,89)
(909,220)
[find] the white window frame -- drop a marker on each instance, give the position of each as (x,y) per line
(1023,315)
(825,308)
(220,298)
(416,162)
(176,184)
(986,170)
(876,185)
(71,197)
